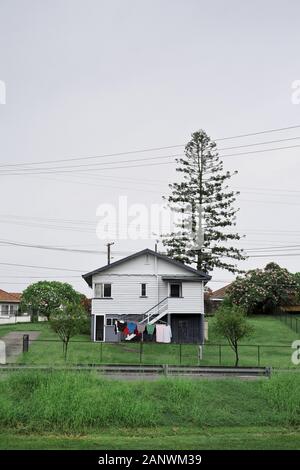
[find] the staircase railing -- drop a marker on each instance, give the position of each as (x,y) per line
(154,311)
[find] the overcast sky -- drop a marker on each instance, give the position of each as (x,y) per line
(90,77)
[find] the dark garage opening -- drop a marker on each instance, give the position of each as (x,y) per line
(187,328)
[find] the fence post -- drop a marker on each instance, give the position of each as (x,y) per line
(180,353)
(141,352)
(296,325)
(220,354)
(258,355)
(101,352)
(200,354)
(25,343)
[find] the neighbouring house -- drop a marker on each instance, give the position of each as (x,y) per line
(151,289)
(216,297)
(9,308)
(9,303)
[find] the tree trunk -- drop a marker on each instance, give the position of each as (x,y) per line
(236,356)
(66,350)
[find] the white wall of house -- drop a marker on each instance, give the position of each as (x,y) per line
(7,309)
(126,280)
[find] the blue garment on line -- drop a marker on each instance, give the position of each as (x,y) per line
(131,326)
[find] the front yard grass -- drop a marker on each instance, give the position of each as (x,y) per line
(274,337)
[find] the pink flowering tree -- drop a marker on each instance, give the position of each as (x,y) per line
(264,290)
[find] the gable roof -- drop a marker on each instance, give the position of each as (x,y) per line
(220,293)
(88,277)
(9,296)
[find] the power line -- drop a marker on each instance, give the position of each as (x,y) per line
(54,170)
(259,143)
(150,149)
(47,247)
(94,169)
(274,255)
(44,267)
(269,131)
(104,163)
(41,277)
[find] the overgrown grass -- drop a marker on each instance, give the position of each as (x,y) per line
(81,402)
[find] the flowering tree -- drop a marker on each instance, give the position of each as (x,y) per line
(263,290)
(42,297)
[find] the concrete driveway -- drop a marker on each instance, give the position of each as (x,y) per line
(14,343)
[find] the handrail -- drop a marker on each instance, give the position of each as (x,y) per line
(149,310)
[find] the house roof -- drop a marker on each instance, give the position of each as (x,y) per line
(219,294)
(9,296)
(88,277)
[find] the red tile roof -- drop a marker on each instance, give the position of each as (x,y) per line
(220,293)
(9,296)
(18,295)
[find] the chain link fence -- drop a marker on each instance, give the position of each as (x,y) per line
(50,352)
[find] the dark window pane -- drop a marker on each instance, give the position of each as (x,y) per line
(175,290)
(143,290)
(107,290)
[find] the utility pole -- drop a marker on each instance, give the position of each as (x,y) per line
(108,251)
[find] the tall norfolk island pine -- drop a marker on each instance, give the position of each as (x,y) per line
(203,190)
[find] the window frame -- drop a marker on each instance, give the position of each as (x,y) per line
(102,286)
(143,284)
(180,290)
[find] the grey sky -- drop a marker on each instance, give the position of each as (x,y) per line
(91,77)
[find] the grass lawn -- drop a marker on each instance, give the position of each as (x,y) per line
(64,410)
(249,438)
(270,332)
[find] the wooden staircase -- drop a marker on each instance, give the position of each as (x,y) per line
(152,315)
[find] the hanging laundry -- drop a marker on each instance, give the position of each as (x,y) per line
(150,329)
(167,334)
(131,326)
(121,325)
(163,333)
(141,327)
(126,331)
(160,333)
(116,328)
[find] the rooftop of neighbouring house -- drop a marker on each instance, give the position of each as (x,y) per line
(219,294)
(9,296)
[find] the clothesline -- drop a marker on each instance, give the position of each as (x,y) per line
(160,331)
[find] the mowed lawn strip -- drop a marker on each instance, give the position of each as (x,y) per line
(165,438)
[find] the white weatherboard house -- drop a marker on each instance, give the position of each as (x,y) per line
(148,287)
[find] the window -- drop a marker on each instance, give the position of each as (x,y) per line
(175,290)
(143,290)
(106,290)
(111,321)
(102,290)
(5,310)
(98,290)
